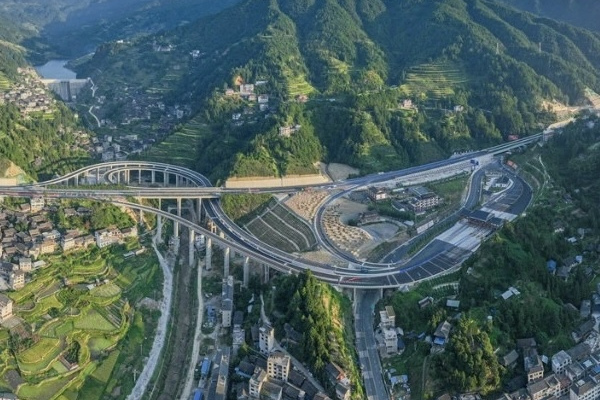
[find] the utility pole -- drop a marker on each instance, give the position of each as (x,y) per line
(497,48)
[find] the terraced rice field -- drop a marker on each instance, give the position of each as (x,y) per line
(4,82)
(434,80)
(180,148)
(104,371)
(298,85)
(281,228)
(42,307)
(100,343)
(92,320)
(45,390)
(39,356)
(97,267)
(107,290)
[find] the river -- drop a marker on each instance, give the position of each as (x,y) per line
(55,69)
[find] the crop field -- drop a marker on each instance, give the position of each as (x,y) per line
(100,343)
(180,148)
(298,85)
(280,228)
(92,320)
(42,307)
(104,371)
(107,290)
(30,289)
(39,356)
(434,80)
(4,82)
(45,390)
(95,267)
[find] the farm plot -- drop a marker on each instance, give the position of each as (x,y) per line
(46,390)
(434,80)
(104,371)
(107,290)
(180,148)
(42,307)
(39,356)
(4,82)
(93,320)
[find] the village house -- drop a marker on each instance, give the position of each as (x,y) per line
(106,237)
(377,193)
(6,307)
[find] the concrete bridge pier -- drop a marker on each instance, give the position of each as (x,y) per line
(175,223)
(192,241)
(208,258)
(165,178)
(97,175)
(226,259)
(246,278)
(140,176)
(265,273)
(199,210)
(126,173)
(153,179)
(159,224)
(141,216)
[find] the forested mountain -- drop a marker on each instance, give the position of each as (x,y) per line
(68,28)
(584,13)
(477,71)
(40,143)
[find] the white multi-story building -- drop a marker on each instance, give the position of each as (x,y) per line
(560,361)
(278,366)
(37,204)
(387,317)
(108,236)
(6,307)
(227,302)
(256,382)
(587,388)
(266,338)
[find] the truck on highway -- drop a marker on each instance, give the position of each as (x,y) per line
(198,394)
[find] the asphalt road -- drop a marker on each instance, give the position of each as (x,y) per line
(368,355)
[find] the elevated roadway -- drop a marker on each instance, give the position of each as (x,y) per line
(80,184)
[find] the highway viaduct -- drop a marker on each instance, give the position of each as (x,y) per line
(165,181)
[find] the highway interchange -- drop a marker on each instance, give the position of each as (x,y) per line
(434,259)
(437,257)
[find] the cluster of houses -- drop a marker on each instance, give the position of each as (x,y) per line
(247,91)
(29,233)
(270,373)
(29,94)
(275,378)
(391,335)
(118,149)
(572,373)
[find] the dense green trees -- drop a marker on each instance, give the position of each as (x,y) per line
(469,363)
(359,60)
(318,312)
(40,146)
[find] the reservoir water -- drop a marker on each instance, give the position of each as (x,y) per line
(55,69)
